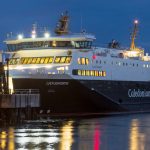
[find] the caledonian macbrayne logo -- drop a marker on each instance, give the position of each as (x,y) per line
(138,93)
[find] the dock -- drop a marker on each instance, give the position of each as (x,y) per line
(19,106)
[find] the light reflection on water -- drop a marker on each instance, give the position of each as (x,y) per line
(137,139)
(130,132)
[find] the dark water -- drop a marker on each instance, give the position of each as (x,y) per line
(128,132)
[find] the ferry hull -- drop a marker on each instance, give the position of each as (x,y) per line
(86,96)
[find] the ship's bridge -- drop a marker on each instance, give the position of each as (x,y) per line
(74,41)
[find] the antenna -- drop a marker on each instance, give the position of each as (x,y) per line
(34,30)
(34,27)
(81,24)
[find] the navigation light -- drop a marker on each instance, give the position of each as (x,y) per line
(136,21)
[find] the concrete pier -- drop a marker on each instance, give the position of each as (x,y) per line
(15,108)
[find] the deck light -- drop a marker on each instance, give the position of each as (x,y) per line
(20,37)
(46,35)
(33,34)
(66,68)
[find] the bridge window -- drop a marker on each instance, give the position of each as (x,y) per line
(82,44)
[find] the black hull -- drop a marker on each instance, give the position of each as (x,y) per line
(72,96)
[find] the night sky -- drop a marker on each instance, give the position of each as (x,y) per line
(107,19)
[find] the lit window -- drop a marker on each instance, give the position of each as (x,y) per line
(87,61)
(54,44)
(68,59)
(100,73)
(42,60)
(79,72)
(144,65)
(104,73)
(83,72)
(57,60)
(38,60)
(29,61)
(46,60)
(83,61)
(79,61)
(25,60)
(87,73)
(33,60)
(50,59)
(22,60)
(96,73)
(92,73)
(62,59)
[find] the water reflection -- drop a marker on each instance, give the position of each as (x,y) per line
(66,138)
(36,138)
(137,139)
(89,135)
(97,137)
(63,135)
(110,133)
(7,139)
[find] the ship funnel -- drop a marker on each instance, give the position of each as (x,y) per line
(62,26)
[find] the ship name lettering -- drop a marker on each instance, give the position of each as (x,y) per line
(138,93)
(57,83)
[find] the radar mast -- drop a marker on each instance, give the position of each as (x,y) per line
(133,36)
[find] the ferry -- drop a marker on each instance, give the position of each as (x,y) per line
(74,76)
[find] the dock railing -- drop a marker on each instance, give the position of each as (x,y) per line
(21,98)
